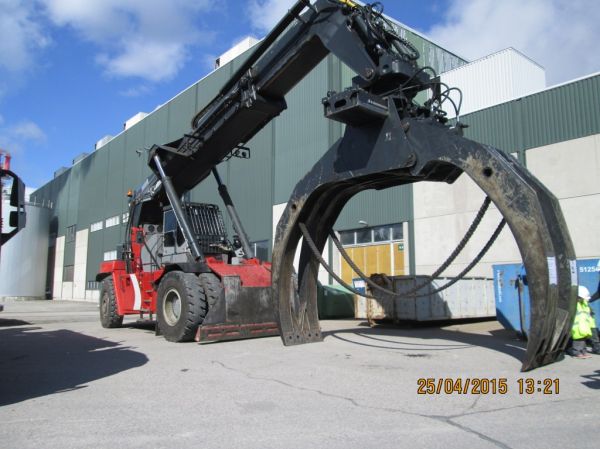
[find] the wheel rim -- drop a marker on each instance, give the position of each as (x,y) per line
(172,307)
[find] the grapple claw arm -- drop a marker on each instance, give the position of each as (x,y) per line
(395,152)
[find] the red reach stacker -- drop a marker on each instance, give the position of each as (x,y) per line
(177,262)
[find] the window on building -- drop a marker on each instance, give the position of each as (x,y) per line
(397,231)
(261,249)
(68,272)
(93,285)
(375,234)
(70,234)
(110,255)
(112,221)
(381,233)
(125,218)
(347,237)
(96,226)
(363,236)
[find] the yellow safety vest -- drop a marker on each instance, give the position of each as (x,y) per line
(583,323)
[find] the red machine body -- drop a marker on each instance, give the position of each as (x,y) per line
(135,286)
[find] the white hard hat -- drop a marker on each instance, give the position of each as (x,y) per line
(583,292)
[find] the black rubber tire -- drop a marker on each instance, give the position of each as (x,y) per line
(212,288)
(109,317)
(195,293)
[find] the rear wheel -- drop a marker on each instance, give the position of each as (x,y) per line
(183,301)
(109,316)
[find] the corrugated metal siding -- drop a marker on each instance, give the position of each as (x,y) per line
(250,181)
(60,197)
(563,113)
(377,208)
(112,237)
(136,167)
(92,197)
(181,110)
(115,193)
(209,86)
(250,184)
(155,131)
(493,79)
(569,112)
(301,132)
(498,127)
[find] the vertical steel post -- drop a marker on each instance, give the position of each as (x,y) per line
(180,214)
(235,219)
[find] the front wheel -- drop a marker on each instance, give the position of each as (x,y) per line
(181,306)
(109,315)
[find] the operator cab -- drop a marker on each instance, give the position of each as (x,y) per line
(207,226)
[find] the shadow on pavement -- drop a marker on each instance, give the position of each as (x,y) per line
(4,322)
(34,364)
(389,337)
(593,381)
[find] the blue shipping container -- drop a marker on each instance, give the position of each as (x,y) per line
(512,295)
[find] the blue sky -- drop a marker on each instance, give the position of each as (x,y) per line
(71,71)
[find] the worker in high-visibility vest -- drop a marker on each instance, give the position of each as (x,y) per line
(582,325)
(595,337)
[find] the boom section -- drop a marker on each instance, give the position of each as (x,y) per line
(367,43)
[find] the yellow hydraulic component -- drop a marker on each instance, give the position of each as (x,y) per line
(350,3)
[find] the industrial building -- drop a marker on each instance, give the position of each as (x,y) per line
(411,229)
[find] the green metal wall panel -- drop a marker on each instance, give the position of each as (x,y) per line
(112,237)
(72,200)
(250,183)
(60,194)
(73,195)
(208,86)
(95,254)
(92,193)
(381,207)
(563,113)
(490,126)
(181,110)
(155,131)
(136,160)
(206,192)
(115,193)
(301,132)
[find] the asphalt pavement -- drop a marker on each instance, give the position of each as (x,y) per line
(65,382)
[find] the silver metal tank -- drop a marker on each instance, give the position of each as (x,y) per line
(24,258)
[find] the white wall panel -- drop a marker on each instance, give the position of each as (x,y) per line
(67,290)
(59,258)
(79,267)
(493,79)
(571,170)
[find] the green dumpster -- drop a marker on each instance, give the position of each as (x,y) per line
(334,301)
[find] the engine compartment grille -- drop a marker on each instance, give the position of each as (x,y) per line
(208,225)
